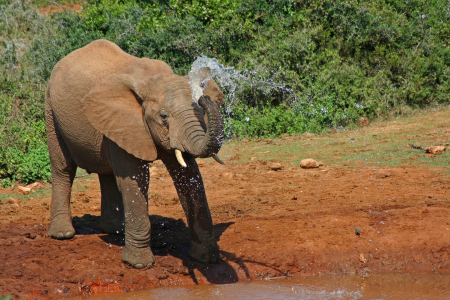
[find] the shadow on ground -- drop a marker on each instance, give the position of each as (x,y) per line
(168,237)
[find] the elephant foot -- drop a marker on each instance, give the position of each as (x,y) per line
(61,228)
(205,253)
(138,257)
(117,227)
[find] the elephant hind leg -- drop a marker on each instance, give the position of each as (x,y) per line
(63,174)
(113,218)
(61,218)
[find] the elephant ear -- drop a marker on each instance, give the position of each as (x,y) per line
(114,108)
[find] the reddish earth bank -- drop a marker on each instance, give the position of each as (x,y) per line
(51,9)
(268,223)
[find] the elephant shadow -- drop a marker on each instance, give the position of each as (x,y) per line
(168,237)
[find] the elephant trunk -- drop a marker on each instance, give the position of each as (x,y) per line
(211,142)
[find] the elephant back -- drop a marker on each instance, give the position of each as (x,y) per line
(71,79)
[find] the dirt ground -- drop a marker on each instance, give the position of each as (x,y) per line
(268,223)
(51,9)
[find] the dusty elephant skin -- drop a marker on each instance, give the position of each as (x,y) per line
(111,113)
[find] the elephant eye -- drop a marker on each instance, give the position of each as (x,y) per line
(164,116)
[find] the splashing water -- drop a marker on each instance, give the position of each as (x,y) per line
(204,68)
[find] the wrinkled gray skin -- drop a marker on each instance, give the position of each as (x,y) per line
(112,113)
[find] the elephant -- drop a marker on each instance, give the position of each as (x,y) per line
(112,113)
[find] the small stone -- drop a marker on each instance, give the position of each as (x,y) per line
(435,149)
(227,175)
(363,122)
(27,189)
(382,175)
(201,162)
(414,146)
(13,201)
(30,235)
(309,163)
(34,185)
(95,208)
(24,190)
(361,258)
(253,158)
(275,166)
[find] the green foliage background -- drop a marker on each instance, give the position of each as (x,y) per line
(340,59)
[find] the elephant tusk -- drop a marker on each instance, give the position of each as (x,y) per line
(217,158)
(180,159)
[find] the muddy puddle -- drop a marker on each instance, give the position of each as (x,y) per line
(391,286)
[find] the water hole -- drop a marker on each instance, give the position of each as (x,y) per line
(391,286)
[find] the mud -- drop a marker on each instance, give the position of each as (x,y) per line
(268,223)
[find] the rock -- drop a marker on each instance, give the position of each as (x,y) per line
(201,162)
(435,149)
(275,166)
(27,189)
(13,201)
(24,190)
(382,175)
(309,163)
(361,258)
(30,235)
(227,175)
(414,146)
(33,185)
(363,122)
(95,208)
(253,158)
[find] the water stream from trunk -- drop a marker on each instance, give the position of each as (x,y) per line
(231,81)
(228,78)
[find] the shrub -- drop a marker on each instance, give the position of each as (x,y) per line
(22,127)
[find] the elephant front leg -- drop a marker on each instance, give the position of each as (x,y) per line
(132,177)
(189,185)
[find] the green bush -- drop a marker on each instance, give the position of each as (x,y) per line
(24,152)
(6,183)
(22,119)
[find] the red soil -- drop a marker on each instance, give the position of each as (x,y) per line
(268,223)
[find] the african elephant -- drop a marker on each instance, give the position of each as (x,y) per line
(111,113)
